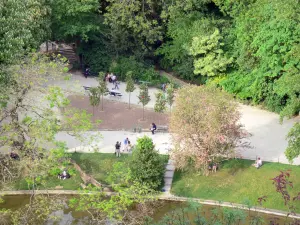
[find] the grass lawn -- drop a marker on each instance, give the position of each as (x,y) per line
(69,184)
(237,181)
(100,164)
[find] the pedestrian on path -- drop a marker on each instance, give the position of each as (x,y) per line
(126,142)
(118,146)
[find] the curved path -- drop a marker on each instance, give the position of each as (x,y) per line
(267,140)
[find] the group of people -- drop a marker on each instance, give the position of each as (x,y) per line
(127,147)
(112,78)
(64,175)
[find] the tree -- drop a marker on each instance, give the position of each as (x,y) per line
(17,35)
(94,97)
(146,166)
(293,149)
(144,97)
(204,125)
(209,56)
(160,104)
(73,19)
(170,95)
(102,88)
(129,85)
(31,118)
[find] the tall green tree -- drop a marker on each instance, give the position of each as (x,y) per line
(129,85)
(19,35)
(144,97)
(135,20)
(74,19)
(209,56)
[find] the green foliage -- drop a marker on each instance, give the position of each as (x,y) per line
(102,88)
(139,71)
(137,18)
(209,57)
(94,97)
(129,84)
(74,18)
(18,36)
(143,96)
(96,52)
(170,95)
(146,165)
(160,103)
(293,149)
(267,55)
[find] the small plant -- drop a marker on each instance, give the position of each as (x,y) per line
(94,97)
(144,97)
(102,88)
(170,95)
(160,104)
(129,85)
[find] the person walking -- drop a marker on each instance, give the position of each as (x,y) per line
(118,146)
(126,142)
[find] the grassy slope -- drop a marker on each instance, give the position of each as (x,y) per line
(237,181)
(100,164)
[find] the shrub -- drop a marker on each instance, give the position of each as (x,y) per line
(139,71)
(146,165)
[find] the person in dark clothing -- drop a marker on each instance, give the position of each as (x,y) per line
(14,155)
(118,149)
(153,128)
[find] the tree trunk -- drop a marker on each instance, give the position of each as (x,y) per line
(47,48)
(129,100)
(93,114)
(102,103)
(143,112)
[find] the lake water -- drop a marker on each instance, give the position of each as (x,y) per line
(70,216)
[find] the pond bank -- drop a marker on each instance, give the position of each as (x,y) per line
(166,197)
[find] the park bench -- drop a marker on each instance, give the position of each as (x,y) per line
(114,93)
(162,128)
(86,89)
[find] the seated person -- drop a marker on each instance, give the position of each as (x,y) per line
(64,175)
(215,167)
(258,163)
(14,155)
(153,128)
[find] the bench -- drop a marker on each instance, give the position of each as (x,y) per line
(114,93)
(162,129)
(86,89)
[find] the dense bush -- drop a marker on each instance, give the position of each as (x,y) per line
(139,70)
(146,164)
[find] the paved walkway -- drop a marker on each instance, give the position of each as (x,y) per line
(268,135)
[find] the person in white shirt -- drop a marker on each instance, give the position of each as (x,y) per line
(258,163)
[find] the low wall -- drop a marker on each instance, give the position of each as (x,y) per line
(87,179)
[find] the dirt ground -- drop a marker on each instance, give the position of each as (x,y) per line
(117,116)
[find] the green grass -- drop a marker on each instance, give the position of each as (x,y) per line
(237,181)
(97,164)
(100,164)
(52,181)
